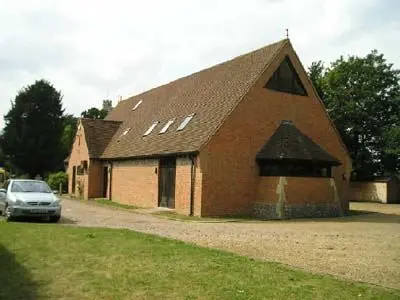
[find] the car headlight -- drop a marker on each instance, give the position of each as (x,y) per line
(56,203)
(20,202)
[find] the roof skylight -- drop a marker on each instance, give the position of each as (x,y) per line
(151,128)
(137,104)
(126,131)
(185,122)
(166,126)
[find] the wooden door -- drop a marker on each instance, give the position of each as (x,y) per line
(105,181)
(73,179)
(166,180)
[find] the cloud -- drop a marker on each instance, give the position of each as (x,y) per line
(91,49)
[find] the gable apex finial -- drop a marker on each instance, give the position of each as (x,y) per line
(287,33)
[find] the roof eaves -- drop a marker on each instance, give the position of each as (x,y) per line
(150,156)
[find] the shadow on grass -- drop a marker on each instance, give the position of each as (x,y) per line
(16,281)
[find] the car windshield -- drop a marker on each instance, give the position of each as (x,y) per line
(30,187)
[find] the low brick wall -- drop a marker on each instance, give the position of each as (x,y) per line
(375,191)
(270,212)
(296,197)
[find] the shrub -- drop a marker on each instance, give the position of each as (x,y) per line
(55,179)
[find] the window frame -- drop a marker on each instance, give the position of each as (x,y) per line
(166,126)
(185,122)
(276,83)
(137,104)
(294,168)
(151,128)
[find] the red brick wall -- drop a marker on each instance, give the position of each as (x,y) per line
(230,172)
(135,182)
(182,185)
(79,153)
(300,190)
(267,188)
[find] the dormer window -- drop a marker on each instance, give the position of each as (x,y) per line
(185,122)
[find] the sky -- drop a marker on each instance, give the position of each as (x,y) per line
(93,50)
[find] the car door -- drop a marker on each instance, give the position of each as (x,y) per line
(3,197)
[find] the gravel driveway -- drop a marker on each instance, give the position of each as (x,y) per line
(363,247)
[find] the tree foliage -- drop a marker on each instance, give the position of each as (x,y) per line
(94,113)
(362,95)
(68,135)
(316,73)
(33,130)
(55,179)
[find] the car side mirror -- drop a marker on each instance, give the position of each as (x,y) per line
(3,191)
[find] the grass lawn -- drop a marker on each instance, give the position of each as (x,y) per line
(107,202)
(50,261)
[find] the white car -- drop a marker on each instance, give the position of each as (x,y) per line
(29,198)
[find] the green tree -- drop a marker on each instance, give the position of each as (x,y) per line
(362,95)
(94,113)
(33,130)
(55,179)
(316,72)
(68,135)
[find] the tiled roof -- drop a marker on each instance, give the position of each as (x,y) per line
(211,95)
(98,134)
(289,143)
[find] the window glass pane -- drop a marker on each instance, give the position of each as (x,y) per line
(137,104)
(126,131)
(285,79)
(293,169)
(185,122)
(30,187)
(150,129)
(166,126)
(286,76)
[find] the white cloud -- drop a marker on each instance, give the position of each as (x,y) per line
(86,48)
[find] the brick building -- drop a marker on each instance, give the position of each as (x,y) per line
(246,137)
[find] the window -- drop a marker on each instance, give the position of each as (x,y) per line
(30,187)
(166,126)
(294,169)
(151,128)
(285,79)
(80,170)
(185,122)
(137,104)
(126,131)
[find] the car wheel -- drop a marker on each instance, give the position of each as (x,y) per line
(8,215)
(54,219)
